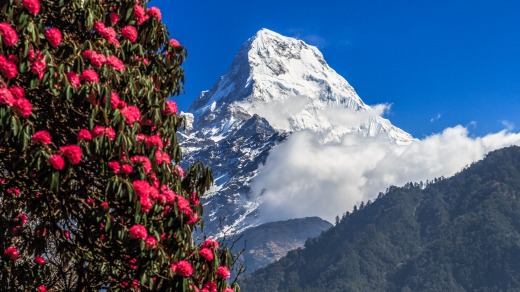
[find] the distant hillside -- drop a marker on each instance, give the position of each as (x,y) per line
(457,234)
(269,242)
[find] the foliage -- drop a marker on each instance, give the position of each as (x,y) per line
(456,234)
(89,196)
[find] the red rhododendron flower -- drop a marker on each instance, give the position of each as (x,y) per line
(210,243)
(154,12)
(14,191)
(131,114)
(207,254)
(57,161)
(90,76)
(170,108)
(6,97)
(138,232)
(22,217)
(8,68)
(140,15)
(228,290)
(104,205)
(115,166)
(161,157)
(178,170)
(144,161)
(42,137)
(223,272)
(42,288)
(127,169)
(97,60)
(154,141)
(174,43)
(211,286)
(38,63)
(184,205)
(150,241)
(73,79)
(84,135)
(113,17)
(141,187)
(193,217)
(17,92)
(22,107)
(114,100)
(116,63)
(182,268)
(11,253)
(53,35)
(130,33)
(110,133)
(98,131)
(39,260)
(72,152)
(33,6)
(8,33)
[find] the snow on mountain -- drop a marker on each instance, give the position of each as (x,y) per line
(276,85)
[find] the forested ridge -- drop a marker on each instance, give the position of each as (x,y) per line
(455,234)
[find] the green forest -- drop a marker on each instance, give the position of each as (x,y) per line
(455,234)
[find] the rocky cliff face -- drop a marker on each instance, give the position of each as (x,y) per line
(276,86)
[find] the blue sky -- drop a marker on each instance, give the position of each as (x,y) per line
(439,63)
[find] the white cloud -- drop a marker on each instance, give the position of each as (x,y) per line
(510,126)
(438,116)
(306,177)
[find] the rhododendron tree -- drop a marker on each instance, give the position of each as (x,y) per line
(92,196)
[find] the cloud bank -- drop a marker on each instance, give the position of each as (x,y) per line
(306,177)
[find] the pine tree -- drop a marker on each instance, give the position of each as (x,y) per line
(91,192)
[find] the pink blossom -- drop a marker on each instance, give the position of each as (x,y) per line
(6,97)
(97,60)
(211,286)
(22,107)
(138,232)
(110,133)
(57,161)
(130,33)
(42,288)
(207,254)
(223,272)
(141,187)
(210,243)
(117,64)
(11,253)
(90,76)
(54,36)
(182,268)
(144,161)
(22,217)
(38,63)
(84,135)
(17,92)
(170,108)
(131,114)
(33,6)
(73,79)
(8,68)
(150,241)
(140,15)
(178,170)
(154,141)
(174,43)
(154,12)
(8,33)
(127,169)
(115,166)
(184,205)
(72,152)
(161,157)
(39,260)
(114,100)
(113,17)
(42,137)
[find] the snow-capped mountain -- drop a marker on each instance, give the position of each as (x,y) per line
(276,85)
